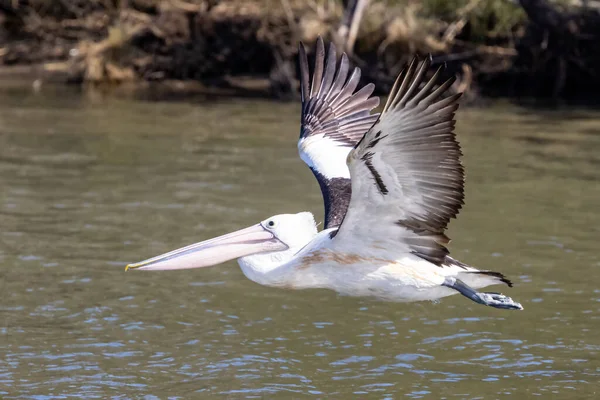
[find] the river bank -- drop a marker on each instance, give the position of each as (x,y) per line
(537,49)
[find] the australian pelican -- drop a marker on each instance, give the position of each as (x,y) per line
(391,182)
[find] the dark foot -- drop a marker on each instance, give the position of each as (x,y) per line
(499,300)
(496,300)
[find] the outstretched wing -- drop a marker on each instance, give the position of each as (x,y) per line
(334,119)
(407,178)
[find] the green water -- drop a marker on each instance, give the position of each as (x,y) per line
(90,183)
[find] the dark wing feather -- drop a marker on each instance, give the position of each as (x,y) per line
(334,119)
(329,105)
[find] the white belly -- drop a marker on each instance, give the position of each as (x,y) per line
(408,279)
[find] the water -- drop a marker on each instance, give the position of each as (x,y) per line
(90,183)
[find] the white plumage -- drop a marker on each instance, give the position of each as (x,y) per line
(390,183)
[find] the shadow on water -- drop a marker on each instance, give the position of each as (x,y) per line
(90,184)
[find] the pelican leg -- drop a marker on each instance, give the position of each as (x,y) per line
(497,300)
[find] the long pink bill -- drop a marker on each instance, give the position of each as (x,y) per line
(251,240)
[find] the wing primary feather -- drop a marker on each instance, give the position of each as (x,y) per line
(340,77)
(318,70)
(329,71)
(405,83)
(425,90)
(416,81)
(347,90)
(439,91)
(358,98)
(446,105)
(392,94)
(304,74)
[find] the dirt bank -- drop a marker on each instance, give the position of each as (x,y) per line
(534,48)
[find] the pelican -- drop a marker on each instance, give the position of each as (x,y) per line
(391,182)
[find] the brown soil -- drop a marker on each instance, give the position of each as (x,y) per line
(547,52)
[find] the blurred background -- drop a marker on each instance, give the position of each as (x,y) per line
(131,128)
(527,48)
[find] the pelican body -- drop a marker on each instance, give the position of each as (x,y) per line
(391,182)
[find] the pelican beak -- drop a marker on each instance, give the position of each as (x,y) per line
(245,242)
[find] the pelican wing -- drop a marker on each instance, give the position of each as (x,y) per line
(334,119)
(407,178)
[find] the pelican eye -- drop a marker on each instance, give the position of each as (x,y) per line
(271,224)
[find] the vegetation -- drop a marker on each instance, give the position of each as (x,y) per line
(494,47)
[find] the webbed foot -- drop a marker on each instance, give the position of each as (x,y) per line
(496,300)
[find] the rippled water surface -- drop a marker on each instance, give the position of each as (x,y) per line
(90,183)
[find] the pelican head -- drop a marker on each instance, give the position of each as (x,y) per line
(260,248)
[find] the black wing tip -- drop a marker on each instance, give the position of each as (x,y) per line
(500,276)
(330,48)
(450,81)
(302,53)
(313,80)
(417,59)
(320,41)
(408,85)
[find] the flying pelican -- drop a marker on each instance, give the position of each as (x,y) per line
(390,184)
